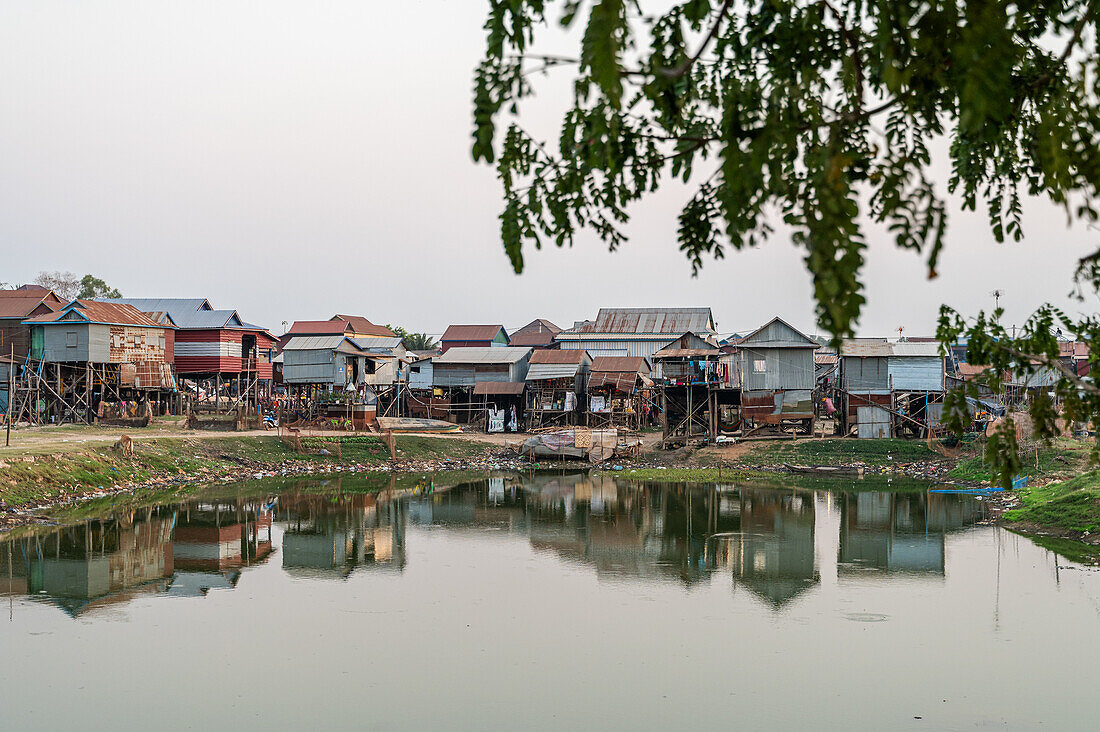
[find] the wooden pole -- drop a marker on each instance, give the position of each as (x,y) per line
(11,394)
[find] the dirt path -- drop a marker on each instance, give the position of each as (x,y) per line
(48,440)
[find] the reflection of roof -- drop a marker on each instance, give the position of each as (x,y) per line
(472,332)
(672,321)
(482,355)
(511,388)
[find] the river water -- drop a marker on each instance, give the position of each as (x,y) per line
(546,602)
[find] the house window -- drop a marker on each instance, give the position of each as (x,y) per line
(70,339)
(758,366)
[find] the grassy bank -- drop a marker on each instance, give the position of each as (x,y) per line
(1071,505)
(80,470)
(1062,459)
(839,452)
(772,478)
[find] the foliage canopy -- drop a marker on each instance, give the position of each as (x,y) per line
(816,113)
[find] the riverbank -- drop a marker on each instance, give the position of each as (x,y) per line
(48,467)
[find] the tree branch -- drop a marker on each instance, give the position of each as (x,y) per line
(684,67)
(1055,364)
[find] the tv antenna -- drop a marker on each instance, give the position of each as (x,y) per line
(997,298)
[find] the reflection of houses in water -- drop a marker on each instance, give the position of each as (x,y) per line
(93,565)
(900,532)
(213,541)
(773,553)
(619,527)
(323,537)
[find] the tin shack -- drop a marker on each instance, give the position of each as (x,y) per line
(777,372)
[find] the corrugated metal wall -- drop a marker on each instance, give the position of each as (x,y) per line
(916,373)
(784,368)
(313,367)
(66,343)
(866,375)
(423,378)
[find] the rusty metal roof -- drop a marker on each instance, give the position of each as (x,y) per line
(21,303)
(106,313)
(635,321)
(687,353)
(472,332)
(876,348)
(509,388)
(363,327)
(538,332)
(621,364)
(318,327)
(568,357)
(619,381)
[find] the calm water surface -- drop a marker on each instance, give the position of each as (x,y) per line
(547,602)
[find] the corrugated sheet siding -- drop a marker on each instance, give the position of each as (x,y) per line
(423,379)
(866,374)
(312,367)
(784,368)
(916,374)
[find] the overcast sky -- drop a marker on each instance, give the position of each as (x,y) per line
(293,160)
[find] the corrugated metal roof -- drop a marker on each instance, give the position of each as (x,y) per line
(504,354)
(188,313)
(688,353)
(362,326)
(575,357)
(772,337)
(316,343)
(318,327)
(619,381)
(620,364)
(20,303)
(541,371)
(633,321)
(472,332)
(207,319)
(170,305)
(510,388)
(108,313)
(538,332)
(882,349)
(378,344)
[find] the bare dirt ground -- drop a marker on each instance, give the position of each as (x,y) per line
(51,440)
